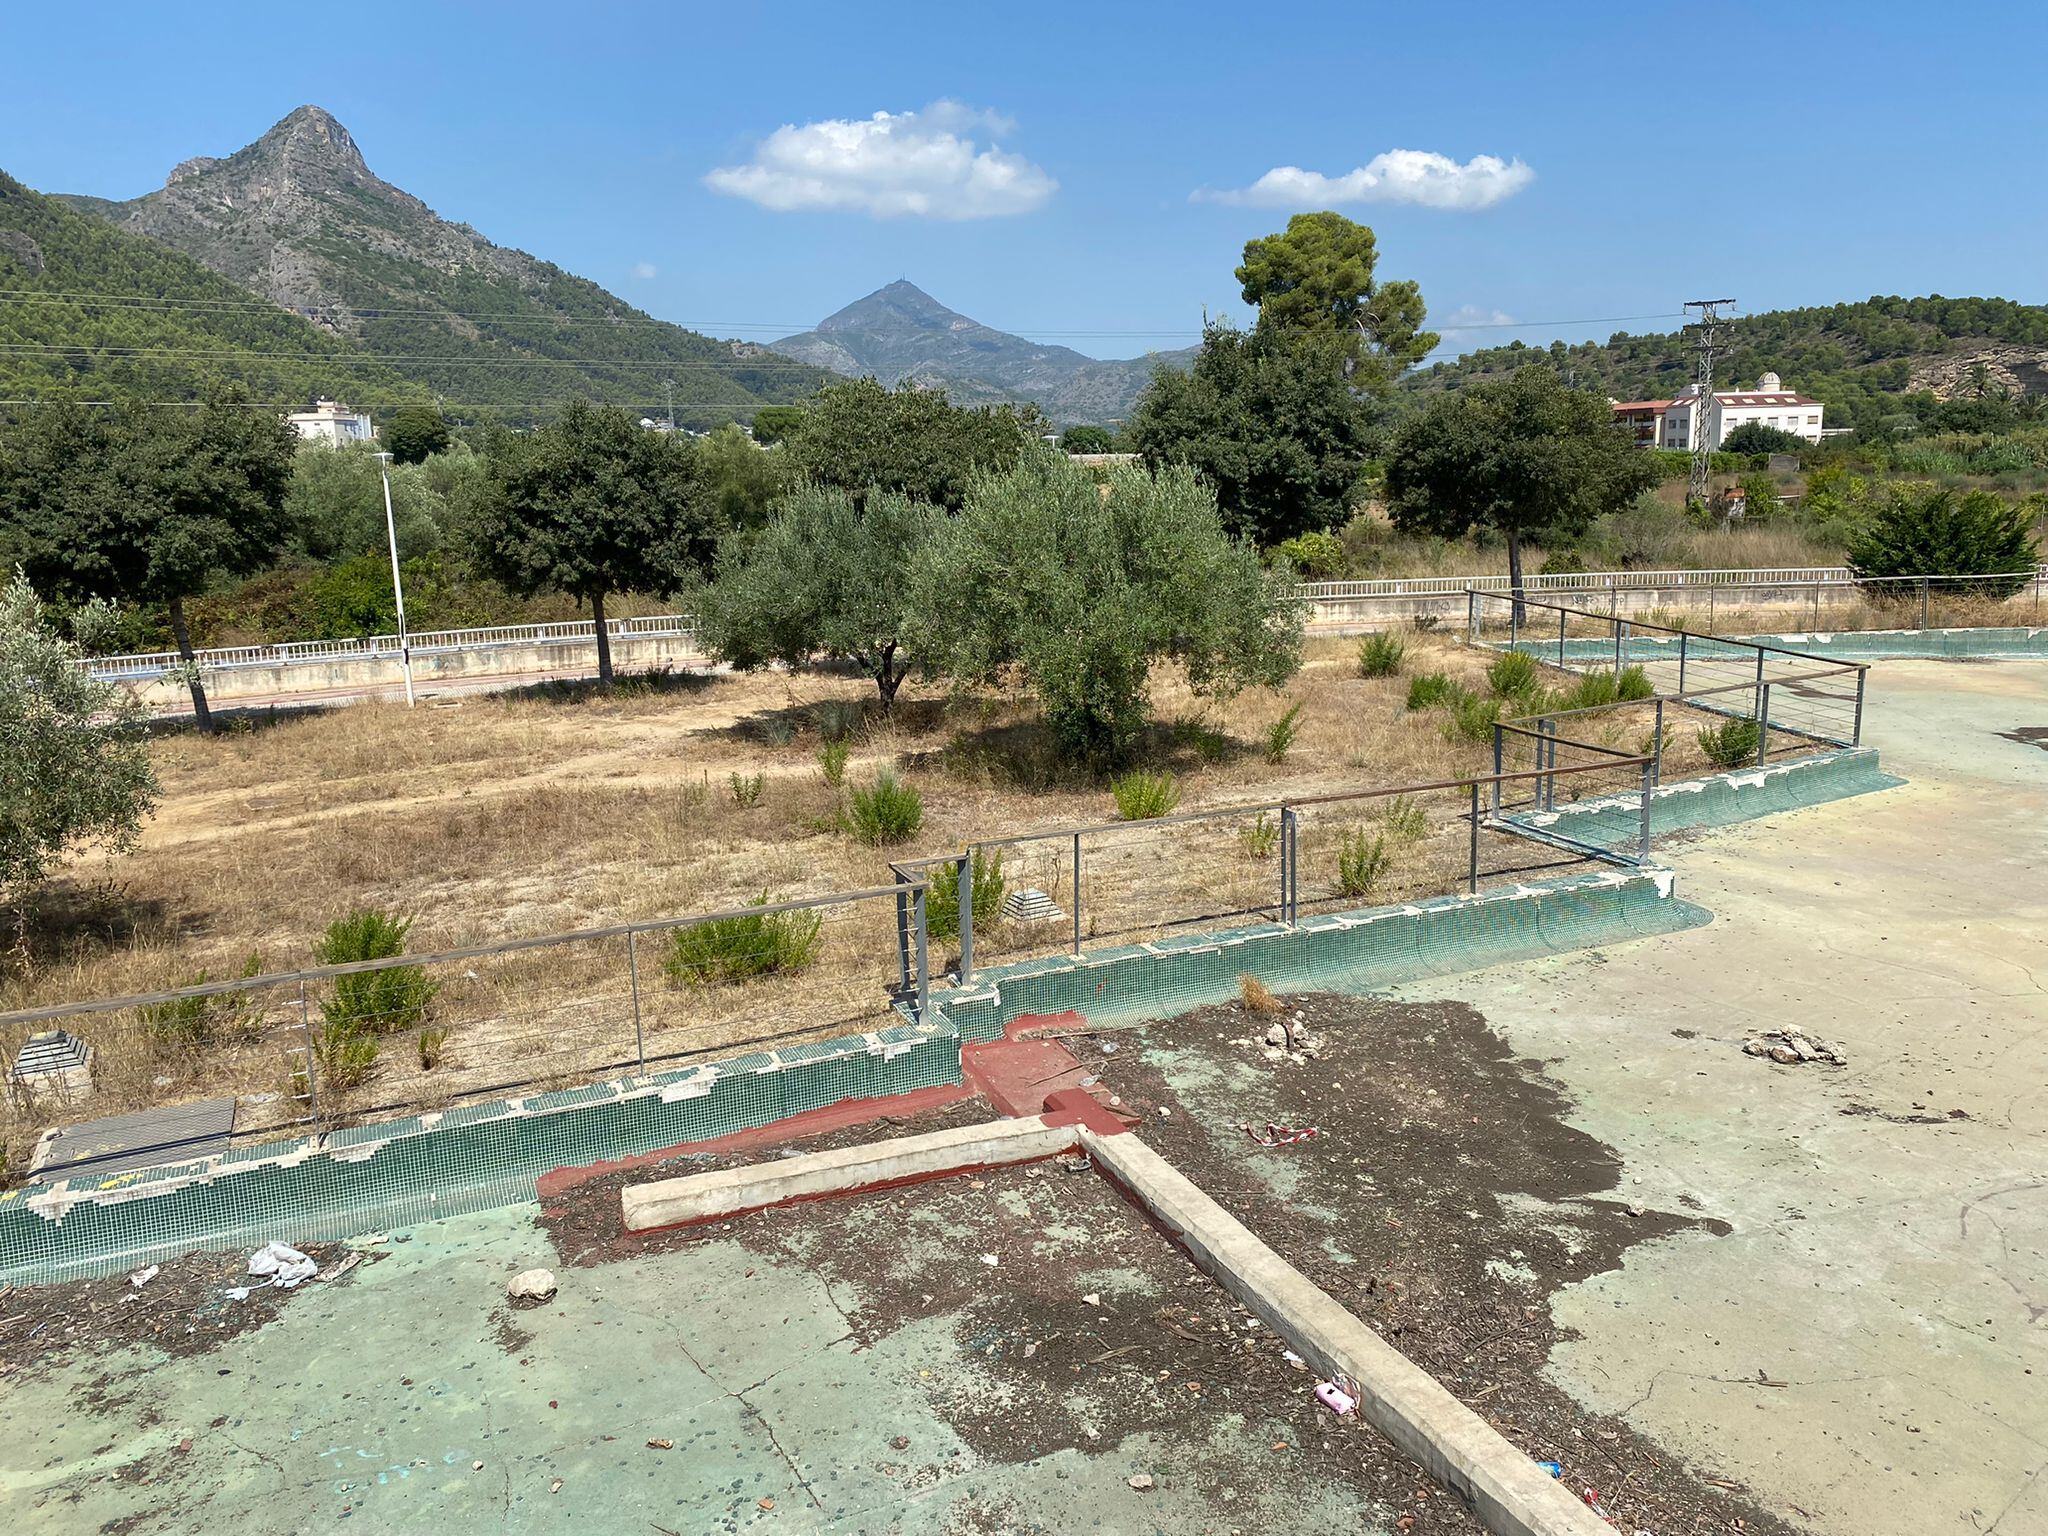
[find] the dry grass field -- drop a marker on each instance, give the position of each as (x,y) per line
(500,817)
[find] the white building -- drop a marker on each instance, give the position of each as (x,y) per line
(1770,404)
(333,423)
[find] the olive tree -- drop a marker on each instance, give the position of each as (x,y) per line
(823,578)
(74,764)
(1084,588)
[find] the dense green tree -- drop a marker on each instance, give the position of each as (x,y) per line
(1519,457)
(1269,419)
(414,431)
(149,506)
(1317,279)
(1084,593)
(743,478)
(859,435)
(1931,530)
(590,505)
(823,578)
(1088,439)
(1754,437)
(74,762)
(774,423)
(336,504)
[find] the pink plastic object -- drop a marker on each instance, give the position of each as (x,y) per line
(1335,1398)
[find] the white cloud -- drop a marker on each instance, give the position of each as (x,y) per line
(1473,317)
(1416,176)
(931,164)
(644,269)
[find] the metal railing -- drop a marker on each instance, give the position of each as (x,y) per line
(149,664)
(334,1044)
(1132,881)
(1804,696)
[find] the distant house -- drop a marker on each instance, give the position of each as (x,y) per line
(333,423)
(1770,404)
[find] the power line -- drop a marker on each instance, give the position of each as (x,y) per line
(148,354)
(708,327)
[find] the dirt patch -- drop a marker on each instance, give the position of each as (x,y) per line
(1037,1367)
(184,1310)
(1443,1200)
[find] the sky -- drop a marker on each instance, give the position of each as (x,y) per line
(1090,174)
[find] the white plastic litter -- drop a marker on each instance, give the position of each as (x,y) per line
(278,1264)
(142,1277)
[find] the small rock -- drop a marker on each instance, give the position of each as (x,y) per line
(1784,1055)
(1277,1035)
(1093,1298)
(1165,1113)
(900,1443)
(765,1503)
(476,1466)
(652,1445)
(532,1286)
(989,1259)
(1142,1482)
(555,1485)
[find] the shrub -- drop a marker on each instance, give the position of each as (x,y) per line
(196,1020)
(942,901)
(1140,795)
(1512,673)
(1731,744)
(1362,863)
(746,789)
(1379,655)
(837,718)
(1590,691)
(1260,838)
(1258,997)
(1404,820)
(1314,555)
(1473,718)
(1928,530)
(832,762)
(741,948)
(1633,684)
(345,1054)
(1431,689)
(431,1040)
(887,811)
(375,1002)
(1280,735)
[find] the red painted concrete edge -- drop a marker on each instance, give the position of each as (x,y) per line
(811,1122)
(1079,1107)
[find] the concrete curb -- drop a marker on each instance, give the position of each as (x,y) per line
(701,1197)
(1511,1495)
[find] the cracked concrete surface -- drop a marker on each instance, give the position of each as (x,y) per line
(1866,1351)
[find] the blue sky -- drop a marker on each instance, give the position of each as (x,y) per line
(1045,178)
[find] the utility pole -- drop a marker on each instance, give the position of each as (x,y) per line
(397,587)
(669,385)
(1703,397)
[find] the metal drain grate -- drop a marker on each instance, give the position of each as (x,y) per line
(178,1134)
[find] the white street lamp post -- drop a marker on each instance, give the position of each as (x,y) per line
(397,586)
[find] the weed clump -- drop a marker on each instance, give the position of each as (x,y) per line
(1512,675)
(741,948)
(1281,734)
(1363,862)
(1142,795)
(885,812)
(1257,996)
(372,1002)
(1732,743)
(942,901)
(1380,655)
(1429,689)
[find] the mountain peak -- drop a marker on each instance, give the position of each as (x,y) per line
(896,305)
(311,137)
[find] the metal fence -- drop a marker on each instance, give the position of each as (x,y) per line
(335,1044)
(1065,889)
(1797,700)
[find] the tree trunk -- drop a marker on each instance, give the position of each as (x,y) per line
(200,713)
(604,639)
(887,678)
(1521,616)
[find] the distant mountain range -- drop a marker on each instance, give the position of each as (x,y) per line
(902,333)
(299,219)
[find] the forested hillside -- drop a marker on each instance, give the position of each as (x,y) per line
(1858,358)
(171,325)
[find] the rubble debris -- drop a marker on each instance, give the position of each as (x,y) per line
(534,1287)
(1281,1135)
(1142,1482)
(142,1277)
(1793,1046)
